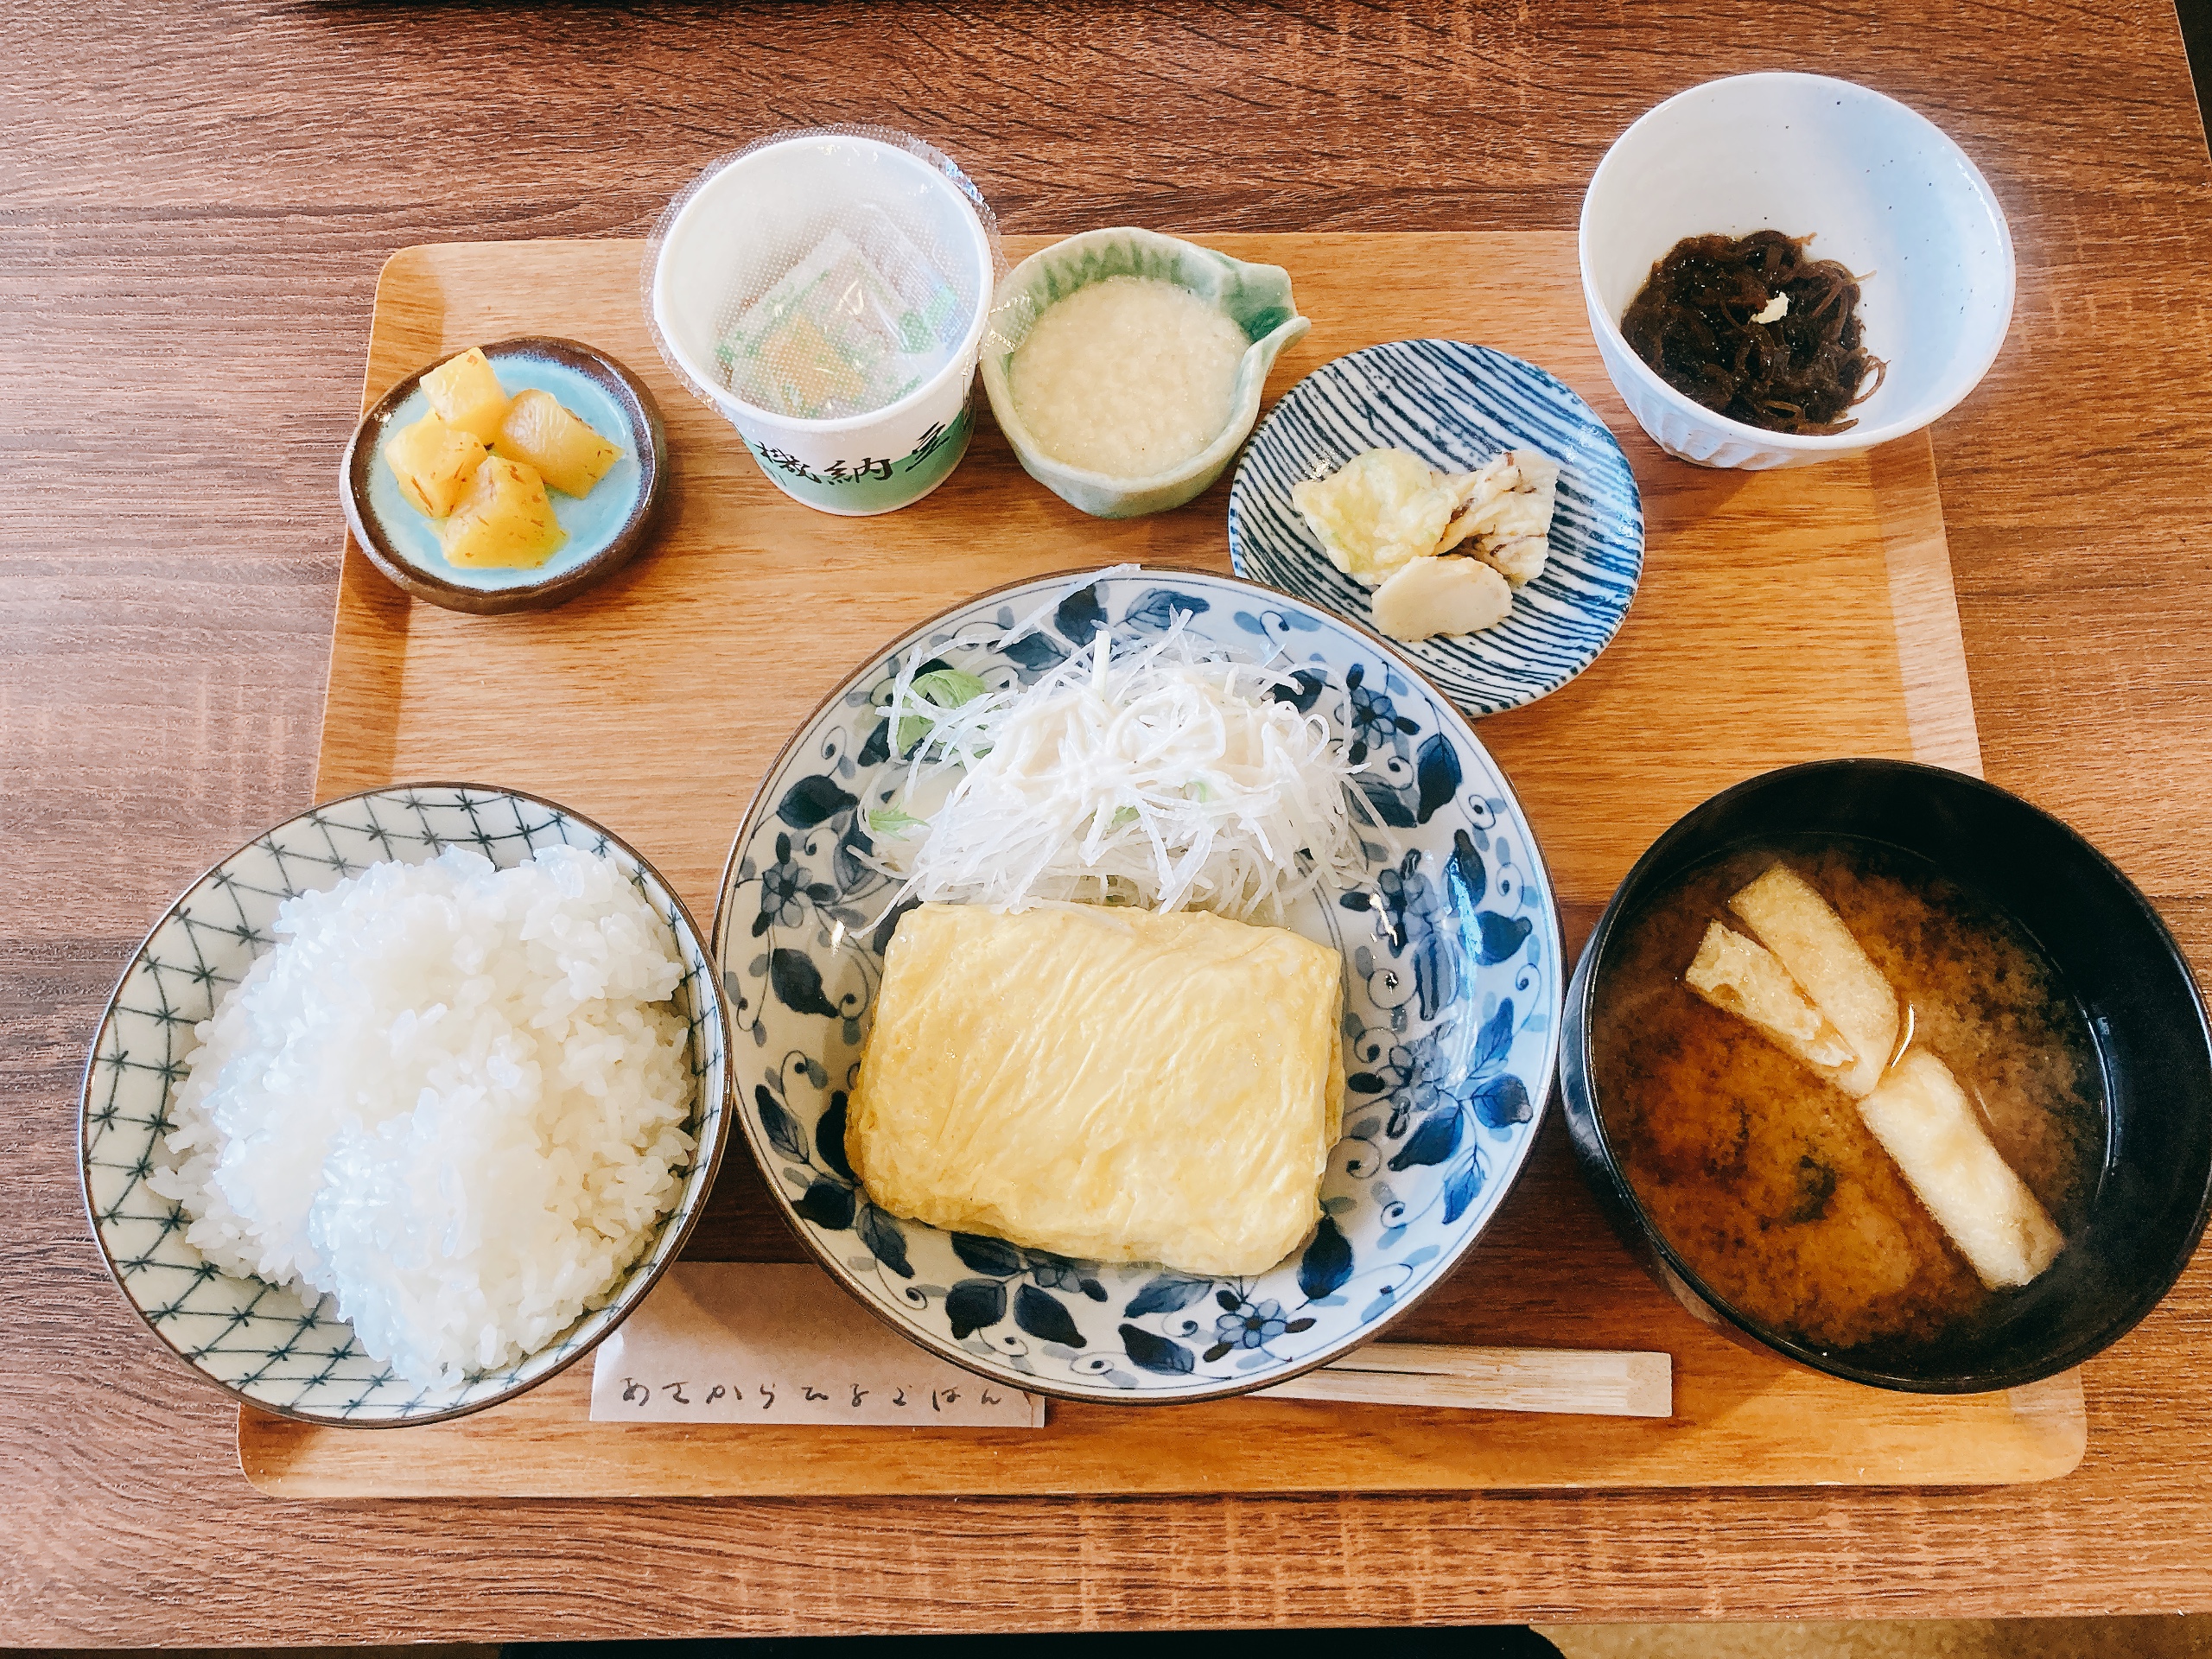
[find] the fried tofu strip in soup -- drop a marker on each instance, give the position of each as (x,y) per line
(1810,939)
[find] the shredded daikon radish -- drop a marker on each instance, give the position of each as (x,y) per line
(1162,775)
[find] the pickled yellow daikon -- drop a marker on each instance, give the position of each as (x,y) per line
(506,521)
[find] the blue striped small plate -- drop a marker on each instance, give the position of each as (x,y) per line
(1455,405)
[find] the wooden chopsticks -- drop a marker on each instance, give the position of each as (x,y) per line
(1591,1382)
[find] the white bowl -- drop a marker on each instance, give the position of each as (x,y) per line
(1884,190)
(1257,298)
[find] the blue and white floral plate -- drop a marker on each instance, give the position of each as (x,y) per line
(1456,405)
(262,1342)
(1453,992)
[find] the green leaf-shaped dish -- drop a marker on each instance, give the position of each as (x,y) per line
(1254,297)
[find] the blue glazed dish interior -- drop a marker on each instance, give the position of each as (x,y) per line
(591,521)
(1453,976)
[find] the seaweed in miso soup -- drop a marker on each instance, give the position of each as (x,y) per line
(1761,1175)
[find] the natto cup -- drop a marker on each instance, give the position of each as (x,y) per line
(748,218)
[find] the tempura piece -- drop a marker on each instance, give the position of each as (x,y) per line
(1505,514)
(1431,596)
(1926,1123)
(1797,925)
(1740,977)
(1376,513)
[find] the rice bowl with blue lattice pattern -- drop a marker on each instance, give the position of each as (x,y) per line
(405,1104)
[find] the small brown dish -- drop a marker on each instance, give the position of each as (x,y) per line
(607,528)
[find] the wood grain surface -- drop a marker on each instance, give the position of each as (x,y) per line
(194,202)
(670,688)
(1729,1420)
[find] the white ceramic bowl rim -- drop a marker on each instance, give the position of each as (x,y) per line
(680,217)
(1948,395)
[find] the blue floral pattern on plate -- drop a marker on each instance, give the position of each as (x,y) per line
(1453,992)
(1456,405)
(265,1342)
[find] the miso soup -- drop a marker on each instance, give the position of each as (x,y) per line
(1761,1174)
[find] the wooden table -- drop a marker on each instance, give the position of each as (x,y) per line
(196,201)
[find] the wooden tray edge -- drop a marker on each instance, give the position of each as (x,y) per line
(1924,613)
(546,1447)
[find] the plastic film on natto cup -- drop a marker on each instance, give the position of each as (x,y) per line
(827,292)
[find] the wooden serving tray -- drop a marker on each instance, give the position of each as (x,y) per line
(1783,616)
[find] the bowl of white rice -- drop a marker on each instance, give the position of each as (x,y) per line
(405,1104)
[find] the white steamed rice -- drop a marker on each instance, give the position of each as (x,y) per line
(452,1097)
